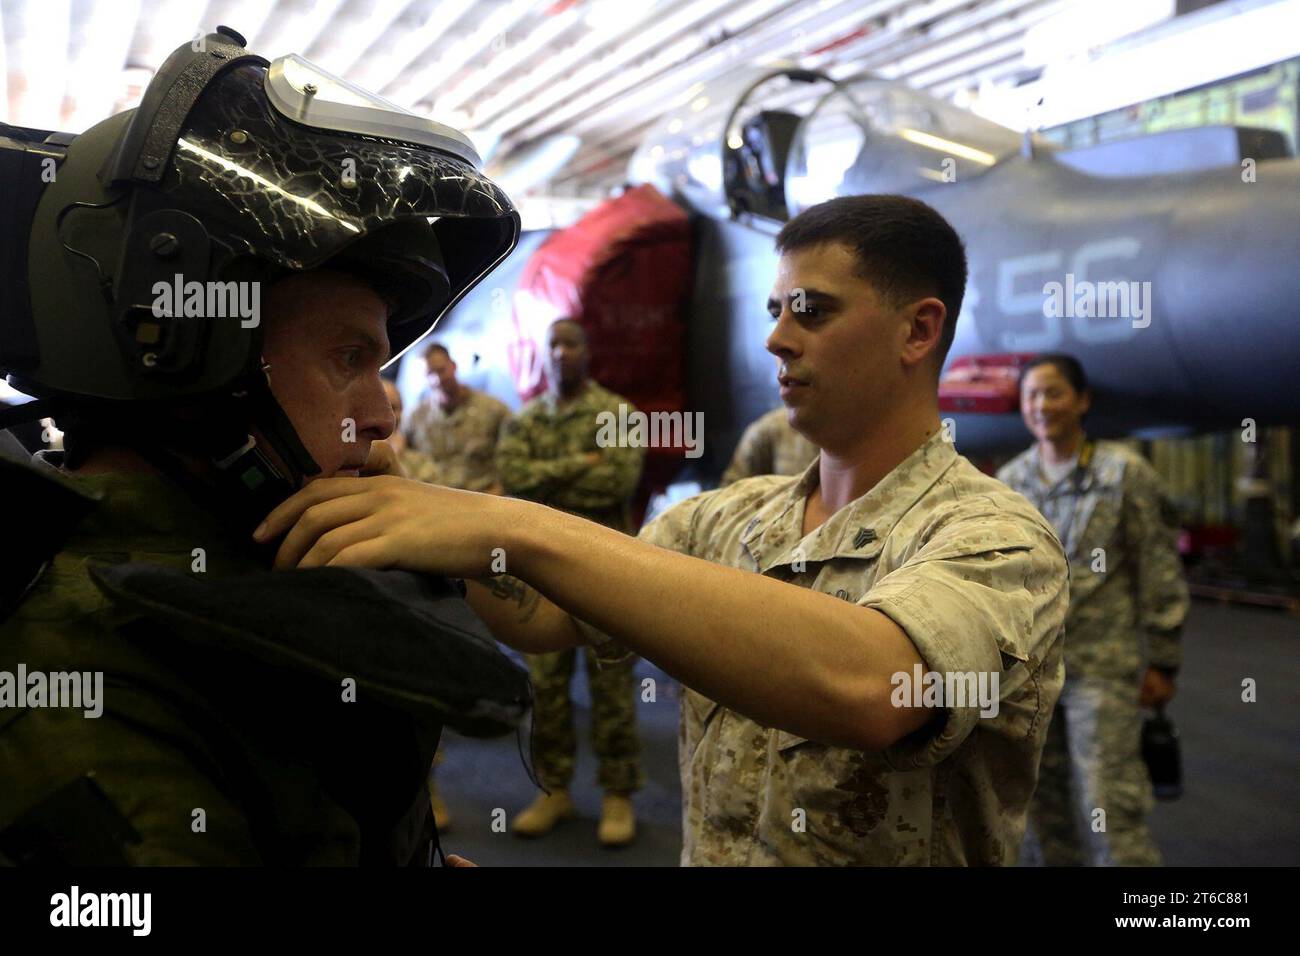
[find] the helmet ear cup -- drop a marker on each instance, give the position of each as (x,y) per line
(153,339)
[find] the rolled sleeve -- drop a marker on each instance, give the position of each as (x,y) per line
(674,529)
(982,597)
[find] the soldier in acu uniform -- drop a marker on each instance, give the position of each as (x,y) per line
(1128,601)
(227,734)
(549,453)
(805,614)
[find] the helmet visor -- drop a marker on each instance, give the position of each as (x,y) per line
(296,195)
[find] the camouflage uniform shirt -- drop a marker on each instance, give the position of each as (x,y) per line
(542,457)
(1128,597)
(975,577)
(462,442)
(418,466)
(769,446)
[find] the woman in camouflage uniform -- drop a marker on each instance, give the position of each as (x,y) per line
(1128,601)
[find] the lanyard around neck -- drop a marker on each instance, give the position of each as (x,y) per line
(1075,478)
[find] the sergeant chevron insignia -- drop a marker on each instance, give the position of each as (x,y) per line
(864,536)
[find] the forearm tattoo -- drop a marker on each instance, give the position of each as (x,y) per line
(508,588)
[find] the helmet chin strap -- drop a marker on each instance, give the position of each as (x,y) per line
(278,430)
(246,482)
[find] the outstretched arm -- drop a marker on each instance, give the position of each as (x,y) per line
(519,616)
(786,656)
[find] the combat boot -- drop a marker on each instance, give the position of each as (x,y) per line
(617,820)
(541,816)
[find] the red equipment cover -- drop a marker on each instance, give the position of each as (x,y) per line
(623,272)
(983,383)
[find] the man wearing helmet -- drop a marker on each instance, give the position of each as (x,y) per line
(234,729)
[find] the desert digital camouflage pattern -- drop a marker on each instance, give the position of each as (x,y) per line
(769,446)
(462,442)
(976,578)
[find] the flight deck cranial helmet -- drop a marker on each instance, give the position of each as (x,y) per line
(232,170)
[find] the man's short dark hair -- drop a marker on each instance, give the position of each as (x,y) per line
(438,348)
(905,249)
(1069,367)
(570,320)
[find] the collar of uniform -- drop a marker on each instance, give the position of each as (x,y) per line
(859,529)
(1082,476)
(138,511)
(577,403)
(465,394)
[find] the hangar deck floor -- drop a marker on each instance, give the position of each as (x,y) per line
(1241,763)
